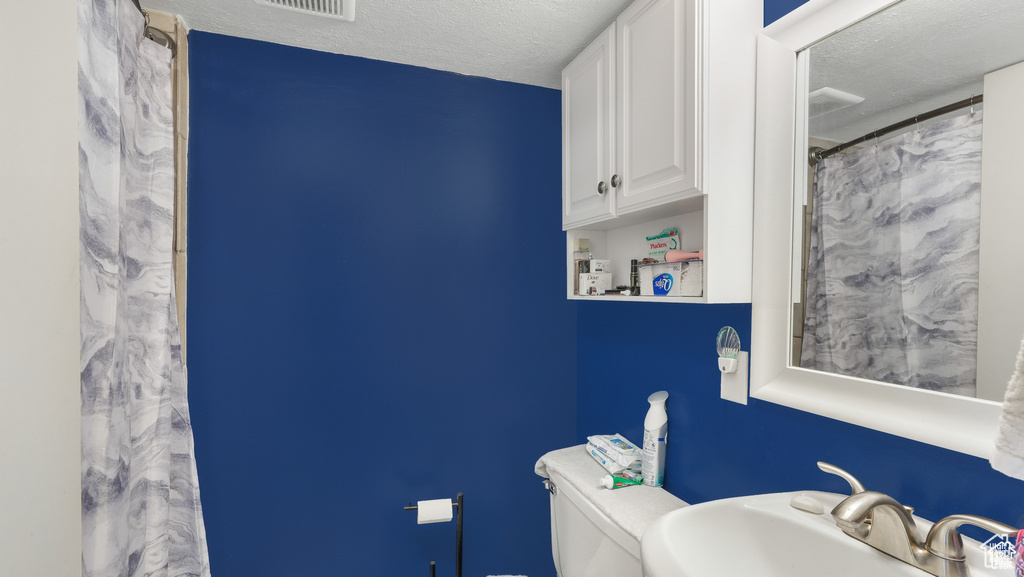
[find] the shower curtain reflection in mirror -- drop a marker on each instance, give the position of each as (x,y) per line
(892,274)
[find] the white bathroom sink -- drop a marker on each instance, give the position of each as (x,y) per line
(764,535)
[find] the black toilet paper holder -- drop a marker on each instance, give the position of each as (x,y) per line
(458,535)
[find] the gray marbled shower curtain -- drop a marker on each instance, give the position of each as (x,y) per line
(892,278)
(140,494)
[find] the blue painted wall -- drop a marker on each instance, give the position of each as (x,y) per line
(775,9)
(376,312)
(719,449)
(312,338)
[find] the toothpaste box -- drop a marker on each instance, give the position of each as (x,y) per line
(673,279)
(599,281)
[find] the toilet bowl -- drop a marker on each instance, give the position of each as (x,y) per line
(595,532)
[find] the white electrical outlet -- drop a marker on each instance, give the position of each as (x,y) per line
(734,383)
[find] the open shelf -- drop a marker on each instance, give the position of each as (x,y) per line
(620,298)
(624,243)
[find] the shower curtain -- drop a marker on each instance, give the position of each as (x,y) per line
(892,276)
(140,495)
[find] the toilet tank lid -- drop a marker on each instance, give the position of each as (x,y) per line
(631,508)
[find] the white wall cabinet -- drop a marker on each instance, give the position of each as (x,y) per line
(656,116)
(660,109)
(588,120)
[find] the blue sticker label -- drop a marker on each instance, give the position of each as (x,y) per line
(662,284)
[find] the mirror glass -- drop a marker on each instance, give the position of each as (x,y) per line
(904,273)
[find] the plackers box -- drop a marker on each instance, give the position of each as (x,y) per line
(672,279)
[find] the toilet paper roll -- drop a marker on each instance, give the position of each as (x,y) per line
(434,511)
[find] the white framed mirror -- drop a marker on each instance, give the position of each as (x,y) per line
(967,424)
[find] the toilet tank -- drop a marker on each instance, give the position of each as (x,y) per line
(595,532)
(584,541)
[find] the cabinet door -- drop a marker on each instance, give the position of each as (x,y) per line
(657,97)
(588,129)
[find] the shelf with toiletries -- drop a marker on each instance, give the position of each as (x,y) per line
(612,250)
(658,128)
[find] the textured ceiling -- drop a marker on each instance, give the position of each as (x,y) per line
(526,41)
(914,57)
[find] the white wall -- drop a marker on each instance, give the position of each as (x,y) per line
(1000,310)
(40,446)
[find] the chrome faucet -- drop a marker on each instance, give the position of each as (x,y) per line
(891,529)
(883,523)
(945,544)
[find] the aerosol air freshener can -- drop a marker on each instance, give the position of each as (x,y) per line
(655,434)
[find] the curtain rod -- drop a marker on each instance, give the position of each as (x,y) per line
(818,153)
(155,34)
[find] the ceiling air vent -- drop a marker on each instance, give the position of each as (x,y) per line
(340,9)
(825,100)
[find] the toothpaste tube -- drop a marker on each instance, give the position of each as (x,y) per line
(623,479)
(616,449)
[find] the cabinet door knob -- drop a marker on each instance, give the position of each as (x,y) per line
(602,187)
(616,181)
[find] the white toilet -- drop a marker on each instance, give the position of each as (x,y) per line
(595,532)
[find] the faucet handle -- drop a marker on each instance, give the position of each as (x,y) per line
(855,485)
(944,540)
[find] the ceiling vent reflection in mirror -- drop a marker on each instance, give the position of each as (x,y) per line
(825,100)
(340,9)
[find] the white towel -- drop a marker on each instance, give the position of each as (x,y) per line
(1009,455)
(631,508)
